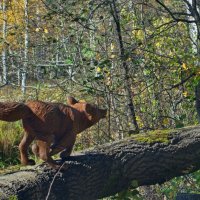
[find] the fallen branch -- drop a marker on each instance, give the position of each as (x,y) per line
(110,168)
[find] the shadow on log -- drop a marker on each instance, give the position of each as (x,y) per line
(110,168)
(188,197)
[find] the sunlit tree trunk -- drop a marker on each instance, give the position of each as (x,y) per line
(194,28)
(38,73)
(26,44)
(11,55)
(119,128)
(92,43)
(4,36)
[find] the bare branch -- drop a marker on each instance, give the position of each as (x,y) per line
(173,14)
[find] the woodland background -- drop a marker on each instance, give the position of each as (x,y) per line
(138,59)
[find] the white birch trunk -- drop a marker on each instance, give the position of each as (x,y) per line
(26,44)
(38,73)
(92,43)
(70,70)
(194,29)
(4,50)
(57,57)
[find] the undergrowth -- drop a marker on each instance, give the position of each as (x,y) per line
(10,135)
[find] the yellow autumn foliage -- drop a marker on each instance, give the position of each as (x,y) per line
(98,69)
(165,121)
(113,56)
(185,94)
(37,29)
(15,20)
(46,30)
(184,66)
(112,46)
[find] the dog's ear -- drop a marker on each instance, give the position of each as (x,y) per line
(71,100)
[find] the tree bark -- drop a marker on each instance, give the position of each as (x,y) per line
(26,45)
(5,45)
(109,168)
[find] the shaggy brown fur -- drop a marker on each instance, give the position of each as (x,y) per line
(54,126)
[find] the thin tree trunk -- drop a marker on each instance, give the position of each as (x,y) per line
(109,168)
(195,36)
(26,44)
(197,96)
(92,43)
(119,126)
(38,74)
(4,50)
(125,68)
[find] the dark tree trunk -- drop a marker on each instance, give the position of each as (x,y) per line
(110,168)
(123,56)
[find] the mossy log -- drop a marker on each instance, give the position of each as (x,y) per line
(110,168)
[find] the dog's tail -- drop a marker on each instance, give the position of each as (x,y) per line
(11,112)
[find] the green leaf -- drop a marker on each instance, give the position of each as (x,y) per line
(69,61)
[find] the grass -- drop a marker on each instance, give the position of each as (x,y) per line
(10,135)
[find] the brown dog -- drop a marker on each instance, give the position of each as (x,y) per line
(54,126)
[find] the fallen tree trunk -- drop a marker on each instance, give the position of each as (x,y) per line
(110,168)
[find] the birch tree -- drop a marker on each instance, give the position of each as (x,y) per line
(4,36)
(26,44)
(192,17)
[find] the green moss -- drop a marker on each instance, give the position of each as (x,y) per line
(161,136)
(13,197)
(134,183)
